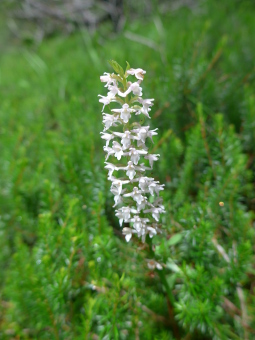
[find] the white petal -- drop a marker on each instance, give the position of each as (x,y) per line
(128,237)
(159,267)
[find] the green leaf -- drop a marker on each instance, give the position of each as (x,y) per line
(174,239)
(172,266)
(117,68)
(116,333)
(128,66)
(171,280)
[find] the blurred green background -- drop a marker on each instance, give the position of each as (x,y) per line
(66,271)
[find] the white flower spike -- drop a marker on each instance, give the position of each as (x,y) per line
(136,196)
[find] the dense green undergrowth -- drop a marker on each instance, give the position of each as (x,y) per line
(66,271)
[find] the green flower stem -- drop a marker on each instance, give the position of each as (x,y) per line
(161,273)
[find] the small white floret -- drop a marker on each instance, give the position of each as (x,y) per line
(137,72)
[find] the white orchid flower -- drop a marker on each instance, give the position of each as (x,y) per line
(126,144)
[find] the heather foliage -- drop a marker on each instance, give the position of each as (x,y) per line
(66,270)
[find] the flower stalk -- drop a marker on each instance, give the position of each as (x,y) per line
(136,196)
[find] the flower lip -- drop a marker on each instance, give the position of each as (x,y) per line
(138,72)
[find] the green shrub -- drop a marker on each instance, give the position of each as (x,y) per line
(66,271)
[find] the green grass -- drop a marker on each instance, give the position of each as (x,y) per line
(66,272)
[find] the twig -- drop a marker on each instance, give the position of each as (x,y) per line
(221,250)
(229,306)
(244,315)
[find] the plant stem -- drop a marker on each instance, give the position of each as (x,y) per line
(161,274)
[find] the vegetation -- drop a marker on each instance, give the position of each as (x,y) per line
(66,270)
